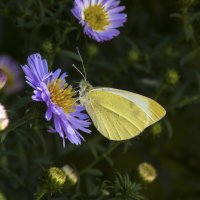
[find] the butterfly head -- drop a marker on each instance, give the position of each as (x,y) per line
(85,87)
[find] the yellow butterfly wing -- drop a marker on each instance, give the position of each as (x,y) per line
(119,114)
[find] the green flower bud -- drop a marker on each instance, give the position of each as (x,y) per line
(47,47)
(156,129)
(56,179)
(71,177)
(147,172)
(172,77)
(92,50)
(134,55)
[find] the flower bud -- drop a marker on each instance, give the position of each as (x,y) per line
(156,129)
(55,180)
(172,77)
(4,121)
(47,47)
(71,177)
(134,55)
(147,172)
(92,50)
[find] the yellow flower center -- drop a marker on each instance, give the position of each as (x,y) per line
(96,17)
(62,95)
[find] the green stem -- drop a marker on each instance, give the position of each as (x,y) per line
(162,88)
(104,155)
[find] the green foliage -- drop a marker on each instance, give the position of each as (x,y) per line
(124,188)
(156,55)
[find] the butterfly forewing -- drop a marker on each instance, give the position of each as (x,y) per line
(119,114)
(153,110)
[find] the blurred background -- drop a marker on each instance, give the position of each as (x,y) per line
(157,55)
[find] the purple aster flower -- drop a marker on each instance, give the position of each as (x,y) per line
(13,73)
(52,89)
(100,18)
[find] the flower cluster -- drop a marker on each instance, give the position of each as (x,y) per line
(52,89)
(100,18)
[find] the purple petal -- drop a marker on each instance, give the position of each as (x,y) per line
(48,114)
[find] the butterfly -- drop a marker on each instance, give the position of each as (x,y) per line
(119,114)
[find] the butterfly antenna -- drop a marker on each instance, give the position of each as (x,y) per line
(77,100)
(75,82)
(85,77)
(79,71)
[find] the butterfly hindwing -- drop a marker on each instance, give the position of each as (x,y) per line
(110,124)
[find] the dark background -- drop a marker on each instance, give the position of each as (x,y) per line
(159,37)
